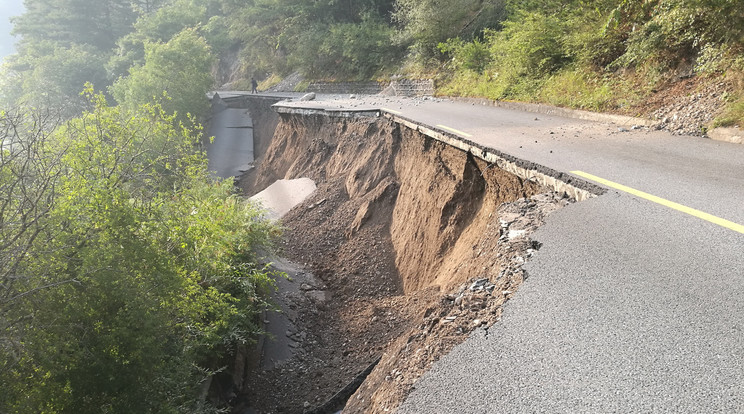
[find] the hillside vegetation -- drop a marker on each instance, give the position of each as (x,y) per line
(129,276)
(599,55)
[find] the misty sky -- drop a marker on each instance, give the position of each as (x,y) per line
(8,8)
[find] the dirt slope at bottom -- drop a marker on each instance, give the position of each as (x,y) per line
(417,244)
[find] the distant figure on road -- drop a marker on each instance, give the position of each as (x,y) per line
(254,86)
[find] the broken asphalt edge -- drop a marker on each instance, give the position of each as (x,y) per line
(562,182)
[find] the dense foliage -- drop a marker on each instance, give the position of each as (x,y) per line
(325,38)
(144,47)
(67,42)
(125,270)
(598,55)
(179,67)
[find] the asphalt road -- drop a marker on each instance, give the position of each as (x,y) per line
(231,151)
(630,305)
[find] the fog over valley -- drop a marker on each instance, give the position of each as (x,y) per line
(8,8)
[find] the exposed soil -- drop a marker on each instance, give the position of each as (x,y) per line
(686,106)
(414,244)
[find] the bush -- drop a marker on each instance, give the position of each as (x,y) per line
(513,62)
(733,115)
(670,31)
(179,68)
(529,46)
(577,89)
(473,55)
(470,83)
(426,24)
(144,274)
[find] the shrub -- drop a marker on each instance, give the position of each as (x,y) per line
(145,271)
(473,55)
(180,68)
(669,31)
(577,89)
(732,116)
(425,24)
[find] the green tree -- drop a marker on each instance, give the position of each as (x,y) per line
(28,178)
(425,24)
(69,22)
(11,84)
(286,35)
(145,273)
(64,43)
(348,50)
(162,25)
(180,68)
(56,78)
(171,19)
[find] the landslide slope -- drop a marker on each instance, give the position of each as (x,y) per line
(417,243)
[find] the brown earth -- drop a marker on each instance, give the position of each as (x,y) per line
(686,105)
(415,244)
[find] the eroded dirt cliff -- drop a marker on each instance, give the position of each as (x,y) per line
(416,244)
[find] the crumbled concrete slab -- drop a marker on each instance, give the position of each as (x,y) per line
(283,195)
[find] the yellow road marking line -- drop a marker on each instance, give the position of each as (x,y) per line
(465,134)
(390,110)
(671,204)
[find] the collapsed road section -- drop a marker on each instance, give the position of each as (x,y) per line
(415,238)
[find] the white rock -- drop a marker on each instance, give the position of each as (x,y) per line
(513,234)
